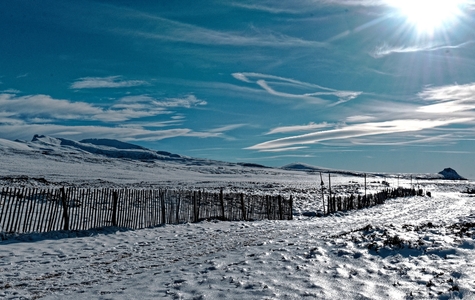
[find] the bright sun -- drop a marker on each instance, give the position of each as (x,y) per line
(429,15)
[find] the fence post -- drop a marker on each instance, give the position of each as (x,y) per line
(65,210)
(322,186)
(330,202)
(365,197)
(221,200)
(195,219)
(291,217)
(243,207)
(163,207)
(115,198)
(281,216)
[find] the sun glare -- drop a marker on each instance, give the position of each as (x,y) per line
(429,15)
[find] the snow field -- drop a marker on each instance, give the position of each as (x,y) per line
(408,248)
(352,255)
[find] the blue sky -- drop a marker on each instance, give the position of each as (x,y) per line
(368,85)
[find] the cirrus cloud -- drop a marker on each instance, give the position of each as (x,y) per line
(105,82)
(449,99)
(315,93)
(357,130)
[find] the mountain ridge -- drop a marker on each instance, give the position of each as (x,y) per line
(112,148)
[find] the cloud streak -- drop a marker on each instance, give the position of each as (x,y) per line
(24,116)
(127,108)
(105,82)
(162,28)
(26,131)
(309,127)
(385,49)
(265,81)
(357,130)
(449,99)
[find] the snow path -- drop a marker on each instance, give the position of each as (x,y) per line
(255,260)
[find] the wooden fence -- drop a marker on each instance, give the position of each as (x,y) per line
(339,203)
(24,210)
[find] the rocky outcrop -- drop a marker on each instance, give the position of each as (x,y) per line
(451,174)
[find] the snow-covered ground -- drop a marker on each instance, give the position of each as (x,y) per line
(408,248)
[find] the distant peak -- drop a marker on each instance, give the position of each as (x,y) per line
(111,143)
(44,139)
(451,174)
(36,137)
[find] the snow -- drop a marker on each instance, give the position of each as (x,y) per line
(408,248)
(7,144)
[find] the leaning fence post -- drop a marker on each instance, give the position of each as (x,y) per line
(65,210)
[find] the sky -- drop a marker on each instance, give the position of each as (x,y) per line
(366,85)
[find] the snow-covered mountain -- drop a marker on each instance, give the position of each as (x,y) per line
(65,157)
(451,174)
(90,162)
(447,173)
(106,147)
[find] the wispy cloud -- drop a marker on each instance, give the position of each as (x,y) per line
(315,92)
(24,116)
(286,149)
(45,106)
(449,99)
(26,131)
(296,128)
(145,101)
(105,82)
(11,91)
(358,130)
(227,128)
(360,118)
(271,8)
(197,35)
(385,49)
(449,92)
(132,107)
(291,7)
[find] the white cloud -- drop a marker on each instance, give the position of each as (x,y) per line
(385,49)
(227,128)
(44,105)
(142,101)
(359,118)
(171,30)
(284,149)
(136,133)
(11,91)
(271,8)
(309,127)
(105,82)
(449,92)
(358,130)
(134,107)
(265,81)
(449,99)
